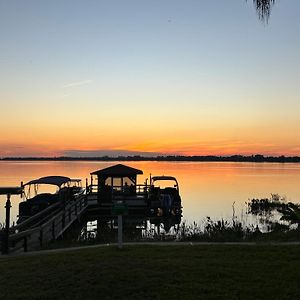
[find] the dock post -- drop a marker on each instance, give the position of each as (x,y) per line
(98,226)
(120,231)
(22,190)
(7,221)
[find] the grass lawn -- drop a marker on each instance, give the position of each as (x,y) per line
(155,272)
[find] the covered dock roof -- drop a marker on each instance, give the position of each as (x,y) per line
(118,170)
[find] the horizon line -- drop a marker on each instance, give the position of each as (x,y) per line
(175,157)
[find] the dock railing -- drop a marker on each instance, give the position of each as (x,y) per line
(36,219)
(92,189)
(140,189)
(51,228)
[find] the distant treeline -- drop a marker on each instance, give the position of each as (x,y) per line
(233,158)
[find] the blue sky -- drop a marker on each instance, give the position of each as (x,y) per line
(208,70)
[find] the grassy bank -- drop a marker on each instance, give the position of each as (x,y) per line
(155,272)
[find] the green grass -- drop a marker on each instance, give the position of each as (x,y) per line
(155,272)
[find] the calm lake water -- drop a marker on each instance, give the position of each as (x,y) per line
(207,188)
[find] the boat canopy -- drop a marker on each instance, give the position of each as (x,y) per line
(154,178)
(53,180)
(75,180)
(157,178)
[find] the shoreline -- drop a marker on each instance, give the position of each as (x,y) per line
(234,158)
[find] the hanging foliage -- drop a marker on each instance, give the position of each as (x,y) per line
(263,8)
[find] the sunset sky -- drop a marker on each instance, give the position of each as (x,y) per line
(189,77)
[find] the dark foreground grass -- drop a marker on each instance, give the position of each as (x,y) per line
(155,272)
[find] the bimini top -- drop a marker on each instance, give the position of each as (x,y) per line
(154,178)
(53,180)
(117,170)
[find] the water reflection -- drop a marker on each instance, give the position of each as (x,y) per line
(206,188)
(134,229)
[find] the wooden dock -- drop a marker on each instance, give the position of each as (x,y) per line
(50,224)
(108,196)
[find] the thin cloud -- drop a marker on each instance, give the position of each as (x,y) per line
(66,95)
(78,83)
(108,152)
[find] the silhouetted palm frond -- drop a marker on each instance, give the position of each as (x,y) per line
(263,8)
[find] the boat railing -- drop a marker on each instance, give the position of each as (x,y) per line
(142,189)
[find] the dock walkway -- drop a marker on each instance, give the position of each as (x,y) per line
(46,226)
